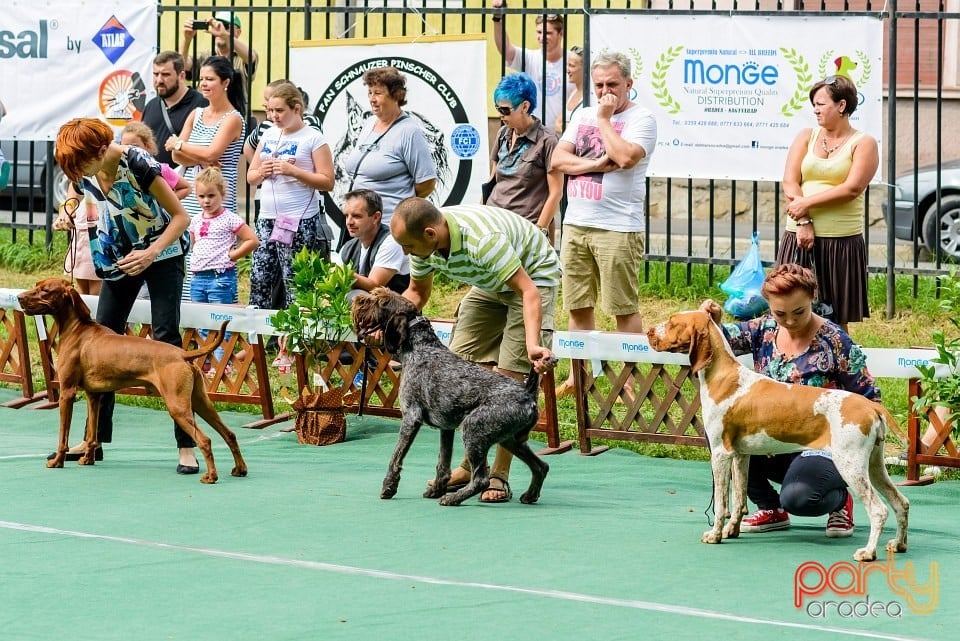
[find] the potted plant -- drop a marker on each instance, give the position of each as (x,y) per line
(312,327)
(940,381)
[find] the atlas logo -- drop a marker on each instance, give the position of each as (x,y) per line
(26,44)
(113,39)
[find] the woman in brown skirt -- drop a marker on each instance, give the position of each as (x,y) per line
(827,171)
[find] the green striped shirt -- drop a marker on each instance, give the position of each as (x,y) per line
(487,246)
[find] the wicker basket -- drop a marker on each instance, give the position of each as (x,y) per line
(320,417)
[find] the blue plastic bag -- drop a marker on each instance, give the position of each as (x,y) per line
(744,283)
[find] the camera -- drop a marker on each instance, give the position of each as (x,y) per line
(200,25)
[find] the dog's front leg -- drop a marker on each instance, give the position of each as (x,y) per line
(92,436)
(720,462)
(442,479)
(68,395)
(741,465)
(408,432)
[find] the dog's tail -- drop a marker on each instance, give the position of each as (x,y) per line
(203,351)
(532,384)
(888,421)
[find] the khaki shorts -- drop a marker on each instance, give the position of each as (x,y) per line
(489,328)
(597,259)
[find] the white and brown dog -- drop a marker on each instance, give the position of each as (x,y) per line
(747,413)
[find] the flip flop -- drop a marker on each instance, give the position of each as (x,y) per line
(504,492)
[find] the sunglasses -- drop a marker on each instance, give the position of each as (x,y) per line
(830,80)
(577,50)
(504,111)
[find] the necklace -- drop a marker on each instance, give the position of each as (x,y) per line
(828,151)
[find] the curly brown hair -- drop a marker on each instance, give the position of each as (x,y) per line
(391,79)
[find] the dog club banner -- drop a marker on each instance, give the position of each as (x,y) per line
(730,93)
(443,95)
(60,60)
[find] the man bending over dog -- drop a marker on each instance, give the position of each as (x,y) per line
(506,319)
(795,345)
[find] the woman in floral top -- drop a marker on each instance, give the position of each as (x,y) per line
(794,345)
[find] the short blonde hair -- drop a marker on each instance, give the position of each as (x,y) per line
(143,133)
(212,177)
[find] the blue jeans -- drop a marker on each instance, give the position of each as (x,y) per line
(164,280)
(214,286)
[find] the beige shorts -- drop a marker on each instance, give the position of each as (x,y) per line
(489,328)
(608,261)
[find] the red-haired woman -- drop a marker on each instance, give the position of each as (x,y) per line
(792,344)
(139,238)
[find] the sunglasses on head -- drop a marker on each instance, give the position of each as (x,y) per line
(830,80)
(577,50)
(504,110)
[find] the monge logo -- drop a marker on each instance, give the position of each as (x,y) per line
(812,584)
(113,39)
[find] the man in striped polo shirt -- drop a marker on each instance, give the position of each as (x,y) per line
(507,317)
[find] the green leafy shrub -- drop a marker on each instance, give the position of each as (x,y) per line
(944,391)
(319,316)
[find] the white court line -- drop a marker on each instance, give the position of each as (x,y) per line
(249,441)
(394,576)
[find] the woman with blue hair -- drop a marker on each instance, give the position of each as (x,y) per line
(522,180)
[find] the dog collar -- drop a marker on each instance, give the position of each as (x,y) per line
(416,320)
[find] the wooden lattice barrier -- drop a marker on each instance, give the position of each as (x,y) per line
(383,387)
(15,357)
(919,454)
(241,376)
(656,411)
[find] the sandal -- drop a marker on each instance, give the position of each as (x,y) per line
(503,492)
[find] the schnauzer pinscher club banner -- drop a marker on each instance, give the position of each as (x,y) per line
(60,59)
(446,95)
(731,92)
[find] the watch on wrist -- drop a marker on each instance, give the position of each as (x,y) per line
(178,145)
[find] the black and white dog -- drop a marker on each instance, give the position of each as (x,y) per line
(446,392)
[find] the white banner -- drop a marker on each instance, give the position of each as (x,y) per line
(731,92)
(61,59)
(448,102)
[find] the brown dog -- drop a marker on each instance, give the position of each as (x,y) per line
(95,359)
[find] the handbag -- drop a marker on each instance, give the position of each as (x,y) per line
(805,258)
(284,229)
(744,284)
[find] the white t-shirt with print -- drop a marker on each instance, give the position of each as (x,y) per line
(549,92)
(609,200)
(285,194)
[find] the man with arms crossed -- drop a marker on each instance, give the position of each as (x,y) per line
(605,151)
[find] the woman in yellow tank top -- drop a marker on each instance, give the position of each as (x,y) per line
(827,171)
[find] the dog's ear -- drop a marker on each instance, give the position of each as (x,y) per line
(701,351)
(394,333)
(80,307)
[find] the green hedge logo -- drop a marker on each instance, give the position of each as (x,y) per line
(804,81)
(659,84)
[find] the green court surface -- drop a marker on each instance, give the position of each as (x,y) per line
(304,549)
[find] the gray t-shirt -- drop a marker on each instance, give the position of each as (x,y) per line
(398,161)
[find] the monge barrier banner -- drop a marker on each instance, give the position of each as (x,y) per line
(730,93)
(60,59)
(445,97)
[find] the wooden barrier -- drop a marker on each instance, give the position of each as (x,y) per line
(920,454)
(383,388)
(240,377)
(15,357)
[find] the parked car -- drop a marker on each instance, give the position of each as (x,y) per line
(28,176)
(935,224)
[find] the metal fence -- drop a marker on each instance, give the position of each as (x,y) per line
(689,221)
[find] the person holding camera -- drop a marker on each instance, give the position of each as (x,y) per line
(224,26)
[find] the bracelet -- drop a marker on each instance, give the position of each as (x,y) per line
(496,18)
(545,230)
(805,221)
